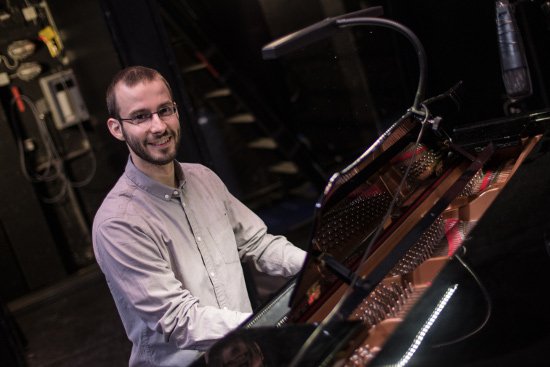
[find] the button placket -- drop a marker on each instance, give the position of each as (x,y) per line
(208,261)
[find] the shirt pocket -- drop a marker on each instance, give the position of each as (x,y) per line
(223,239)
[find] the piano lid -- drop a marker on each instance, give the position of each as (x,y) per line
(335,230)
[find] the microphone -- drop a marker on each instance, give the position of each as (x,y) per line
(515,71)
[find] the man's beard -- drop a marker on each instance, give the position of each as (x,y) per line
(137,147)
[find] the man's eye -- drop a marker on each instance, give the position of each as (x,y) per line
(164,111)
(140,117)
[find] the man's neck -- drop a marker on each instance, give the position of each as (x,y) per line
(164,174)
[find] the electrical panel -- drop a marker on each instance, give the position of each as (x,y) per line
(64,99)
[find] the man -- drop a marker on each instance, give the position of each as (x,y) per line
(169,237)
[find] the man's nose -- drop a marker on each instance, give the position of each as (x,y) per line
(157,124)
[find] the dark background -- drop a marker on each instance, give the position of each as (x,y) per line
(274,130)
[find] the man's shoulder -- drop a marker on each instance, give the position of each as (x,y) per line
(116,202)
(196,168)
(194,171)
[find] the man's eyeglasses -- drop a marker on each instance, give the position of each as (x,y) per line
(143,117)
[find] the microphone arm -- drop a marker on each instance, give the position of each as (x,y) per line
(327,27)
(418,47)
(313,33)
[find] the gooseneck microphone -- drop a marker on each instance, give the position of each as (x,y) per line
(515,70)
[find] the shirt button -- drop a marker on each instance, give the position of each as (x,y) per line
(225,308)
(212,275)
(176,192)
(198,239)
(167,197)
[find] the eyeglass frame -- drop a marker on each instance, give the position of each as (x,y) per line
(149,115)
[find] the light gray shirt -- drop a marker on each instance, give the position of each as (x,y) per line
(171,258)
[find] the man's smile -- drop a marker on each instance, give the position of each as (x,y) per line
(162,141)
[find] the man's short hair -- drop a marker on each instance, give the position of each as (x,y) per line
(130,76)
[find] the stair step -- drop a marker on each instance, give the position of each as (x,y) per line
(194,67)
(242,118)
(285,167)
(263,143)
(222,92)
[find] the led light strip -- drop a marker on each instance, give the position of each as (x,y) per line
(426,327)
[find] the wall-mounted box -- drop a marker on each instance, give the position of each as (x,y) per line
(64,99)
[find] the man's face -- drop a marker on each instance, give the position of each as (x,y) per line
(154,142)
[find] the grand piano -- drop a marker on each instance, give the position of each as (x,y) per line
(429,249)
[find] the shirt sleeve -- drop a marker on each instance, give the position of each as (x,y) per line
(143,281)
(270,254)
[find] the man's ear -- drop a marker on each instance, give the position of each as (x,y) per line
(115,128)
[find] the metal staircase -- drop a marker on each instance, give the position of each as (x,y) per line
(254,152)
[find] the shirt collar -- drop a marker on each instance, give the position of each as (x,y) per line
(153,187)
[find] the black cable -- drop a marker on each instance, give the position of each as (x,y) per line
(54,169)
(488,302)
